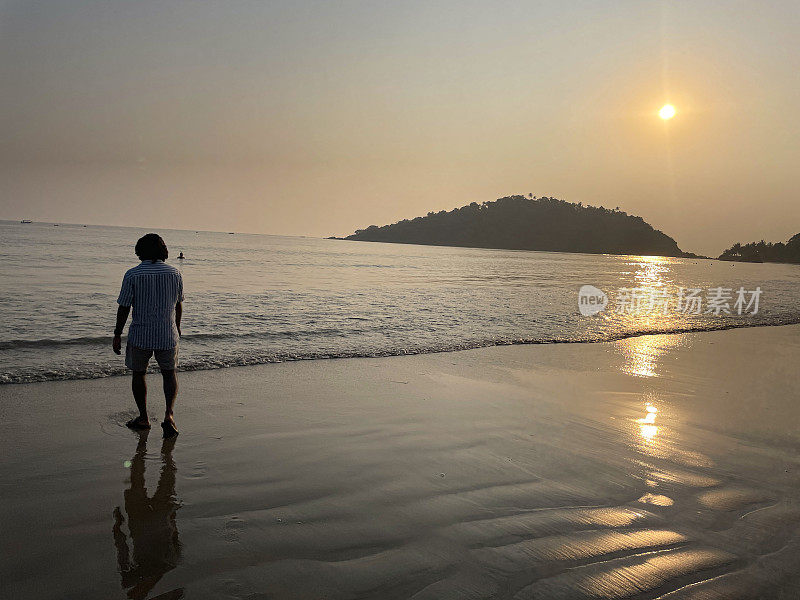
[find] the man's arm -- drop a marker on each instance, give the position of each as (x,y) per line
(125,301)
(122,316)
(178,315)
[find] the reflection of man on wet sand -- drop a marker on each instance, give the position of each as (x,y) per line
(152,527)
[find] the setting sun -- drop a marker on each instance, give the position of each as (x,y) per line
(667,112)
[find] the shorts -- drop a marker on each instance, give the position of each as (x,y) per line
(136,359)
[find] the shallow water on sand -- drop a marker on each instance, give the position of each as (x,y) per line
(654,467)
(254,299)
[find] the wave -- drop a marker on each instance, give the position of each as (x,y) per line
(106,339)
(48,342)
(96,371)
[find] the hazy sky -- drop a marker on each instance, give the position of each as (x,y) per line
(317,118)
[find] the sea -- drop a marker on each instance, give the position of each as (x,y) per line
(254,299)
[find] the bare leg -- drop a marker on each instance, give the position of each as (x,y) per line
(170,392)
(139,388)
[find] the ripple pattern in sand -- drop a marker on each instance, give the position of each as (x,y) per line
(673,525)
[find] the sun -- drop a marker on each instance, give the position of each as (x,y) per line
(667,112)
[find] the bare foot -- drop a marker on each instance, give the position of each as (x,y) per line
(169,427)
(138,423)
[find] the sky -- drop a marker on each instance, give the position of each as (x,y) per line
(319,118)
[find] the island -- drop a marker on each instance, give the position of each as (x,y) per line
(529,223)
(765,251)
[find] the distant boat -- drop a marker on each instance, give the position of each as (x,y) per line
(26,221)
(55,224)
(230,233)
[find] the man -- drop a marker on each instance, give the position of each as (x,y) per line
(155,290)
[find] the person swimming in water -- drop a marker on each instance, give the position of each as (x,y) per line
(181,256)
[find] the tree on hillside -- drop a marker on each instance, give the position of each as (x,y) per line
(765,251)
(525,223)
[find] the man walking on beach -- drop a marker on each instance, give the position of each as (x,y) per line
(155,290)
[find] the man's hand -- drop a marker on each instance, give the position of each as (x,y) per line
(122,316)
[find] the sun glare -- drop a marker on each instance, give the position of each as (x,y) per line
(667,112)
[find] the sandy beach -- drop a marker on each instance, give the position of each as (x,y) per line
(654,467)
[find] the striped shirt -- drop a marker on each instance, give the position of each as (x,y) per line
(153,289)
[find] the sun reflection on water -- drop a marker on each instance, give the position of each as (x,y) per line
(642,355)
(653,271)
(647,427)
(653,275)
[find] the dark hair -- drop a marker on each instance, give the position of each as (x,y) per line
(151,247)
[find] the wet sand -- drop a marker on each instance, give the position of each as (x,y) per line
(654,467)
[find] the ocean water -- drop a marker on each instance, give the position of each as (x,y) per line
(260,298)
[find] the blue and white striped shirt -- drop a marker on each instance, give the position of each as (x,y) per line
(153,289)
